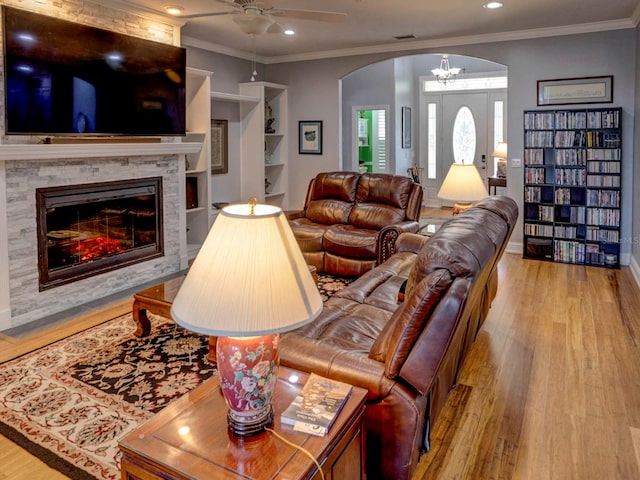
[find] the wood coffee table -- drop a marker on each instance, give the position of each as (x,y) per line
(158,299)
(189,440)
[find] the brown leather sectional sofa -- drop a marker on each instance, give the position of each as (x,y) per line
(350,221)
(407,354)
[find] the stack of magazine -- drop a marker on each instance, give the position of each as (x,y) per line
(317,405)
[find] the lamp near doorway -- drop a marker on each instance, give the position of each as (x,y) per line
(463,185)
(500,153)
(248,283)
(445,73)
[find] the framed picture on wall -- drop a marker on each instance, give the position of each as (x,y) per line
(219,147)
(406,127)
(566,91)
(310,137)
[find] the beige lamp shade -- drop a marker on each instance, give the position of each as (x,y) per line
(463,183)
(500,151)
(249,278)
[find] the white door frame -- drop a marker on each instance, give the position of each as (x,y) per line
(354,133)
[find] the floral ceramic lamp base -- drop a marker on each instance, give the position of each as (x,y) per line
(248,370)
(460,207)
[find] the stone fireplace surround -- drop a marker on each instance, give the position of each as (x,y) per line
(23,168)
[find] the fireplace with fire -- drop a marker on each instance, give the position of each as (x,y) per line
(87,229)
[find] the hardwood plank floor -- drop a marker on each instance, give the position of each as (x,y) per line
(550,390)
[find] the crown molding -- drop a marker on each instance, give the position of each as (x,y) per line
(593,27)
(214,47)
(635,16)
(457,41)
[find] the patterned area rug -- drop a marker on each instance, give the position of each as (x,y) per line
(69,402)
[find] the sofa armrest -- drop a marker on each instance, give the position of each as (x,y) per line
(388,236)
(331,361)
(410,242)
(293,214)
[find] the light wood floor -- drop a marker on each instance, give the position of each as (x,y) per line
(551,389)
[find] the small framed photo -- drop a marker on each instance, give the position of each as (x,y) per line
(310,137)
(219,147)
(566,91)
(406,127)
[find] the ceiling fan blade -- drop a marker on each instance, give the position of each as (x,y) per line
(214,14)
(316,15)
(275,28)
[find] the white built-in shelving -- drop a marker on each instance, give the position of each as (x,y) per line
(264,155)
(197,168)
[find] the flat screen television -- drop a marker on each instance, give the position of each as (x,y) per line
(64,78)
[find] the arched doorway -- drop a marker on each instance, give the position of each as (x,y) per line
(400,82)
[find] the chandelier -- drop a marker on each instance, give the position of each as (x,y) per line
(445,74)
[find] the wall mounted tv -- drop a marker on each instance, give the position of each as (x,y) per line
(64,78)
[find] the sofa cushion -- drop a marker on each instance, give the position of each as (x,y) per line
(501,206)
(332,196)
(348,267)
(392,190)
(400,333)
(350,241)
(329,211)
(347,324)
(461,248)
(308,234)
(381,200)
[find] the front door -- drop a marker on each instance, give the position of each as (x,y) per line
(462,126)
(464,132)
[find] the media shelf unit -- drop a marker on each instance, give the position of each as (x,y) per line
(572,165)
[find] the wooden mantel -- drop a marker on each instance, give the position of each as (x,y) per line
(45,152)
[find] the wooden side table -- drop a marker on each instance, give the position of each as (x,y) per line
(496,182)
(189,440)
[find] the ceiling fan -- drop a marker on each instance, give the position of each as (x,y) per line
(254,18)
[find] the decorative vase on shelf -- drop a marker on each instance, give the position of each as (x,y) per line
(268,119)
(267,186)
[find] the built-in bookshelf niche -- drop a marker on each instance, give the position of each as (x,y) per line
(572,182)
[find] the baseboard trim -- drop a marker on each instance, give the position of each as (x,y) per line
(5,319)
(514,247)
(635,270)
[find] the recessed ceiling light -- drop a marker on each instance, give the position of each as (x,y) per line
(173,10)
(493,5)
(288,31)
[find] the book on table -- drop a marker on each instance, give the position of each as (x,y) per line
(317,405)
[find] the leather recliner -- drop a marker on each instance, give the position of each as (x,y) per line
(407,352)
(350,221)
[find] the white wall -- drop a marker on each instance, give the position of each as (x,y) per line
(373,86)
(406,95)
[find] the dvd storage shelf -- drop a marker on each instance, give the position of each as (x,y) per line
(572,185)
